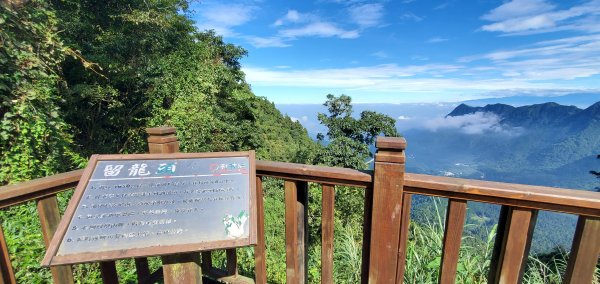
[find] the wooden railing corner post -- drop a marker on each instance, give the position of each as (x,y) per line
(179,268)
(388,185)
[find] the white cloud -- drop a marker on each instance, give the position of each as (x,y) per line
(521,17)
(260,42)
(389,78)
(292,16)
(319,29)
(367,15)
(560,59)
(402,117)
(442,6)
(408,16)
(380,54)
(475,123)
(436,40)
(518,8)
(224,17)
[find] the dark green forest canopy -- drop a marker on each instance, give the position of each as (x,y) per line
(83,77)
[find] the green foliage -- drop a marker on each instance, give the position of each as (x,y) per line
(34,139)
(115,68)
(349,138)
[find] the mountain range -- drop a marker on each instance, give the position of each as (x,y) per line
(542,144)
(534,144)
(545,143)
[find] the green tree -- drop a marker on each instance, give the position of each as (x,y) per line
(348,139)
(35,141)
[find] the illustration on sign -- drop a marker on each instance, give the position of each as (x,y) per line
(234,226)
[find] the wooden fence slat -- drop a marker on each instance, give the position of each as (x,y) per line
(7,275)
(402,244)
(141,269)
(260,256)
(49,218)
(366,245)
(455,221)
(512,245)
(327,222)
(584,251)
(296,197)
(108,271)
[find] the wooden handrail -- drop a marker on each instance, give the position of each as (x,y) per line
(536,197)
(34,189)
(310,173)
(571,201)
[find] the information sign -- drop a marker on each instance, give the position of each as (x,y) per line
(155,204)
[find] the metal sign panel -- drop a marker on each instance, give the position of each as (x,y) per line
(155,204)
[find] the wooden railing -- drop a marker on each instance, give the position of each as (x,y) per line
(388,194)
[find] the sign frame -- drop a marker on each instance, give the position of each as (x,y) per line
(52,259)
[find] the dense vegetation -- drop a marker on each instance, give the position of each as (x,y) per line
(79,77)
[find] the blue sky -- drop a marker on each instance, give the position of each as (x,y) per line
(410,50)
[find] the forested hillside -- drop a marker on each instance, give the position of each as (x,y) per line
(82,77)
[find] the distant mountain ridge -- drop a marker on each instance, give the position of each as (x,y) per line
(533,144)
(542,144)
(546,114)
(581,100)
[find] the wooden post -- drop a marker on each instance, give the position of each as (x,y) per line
(388,184)
(296,206)
(49,218)
(180,268)
(584,251)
